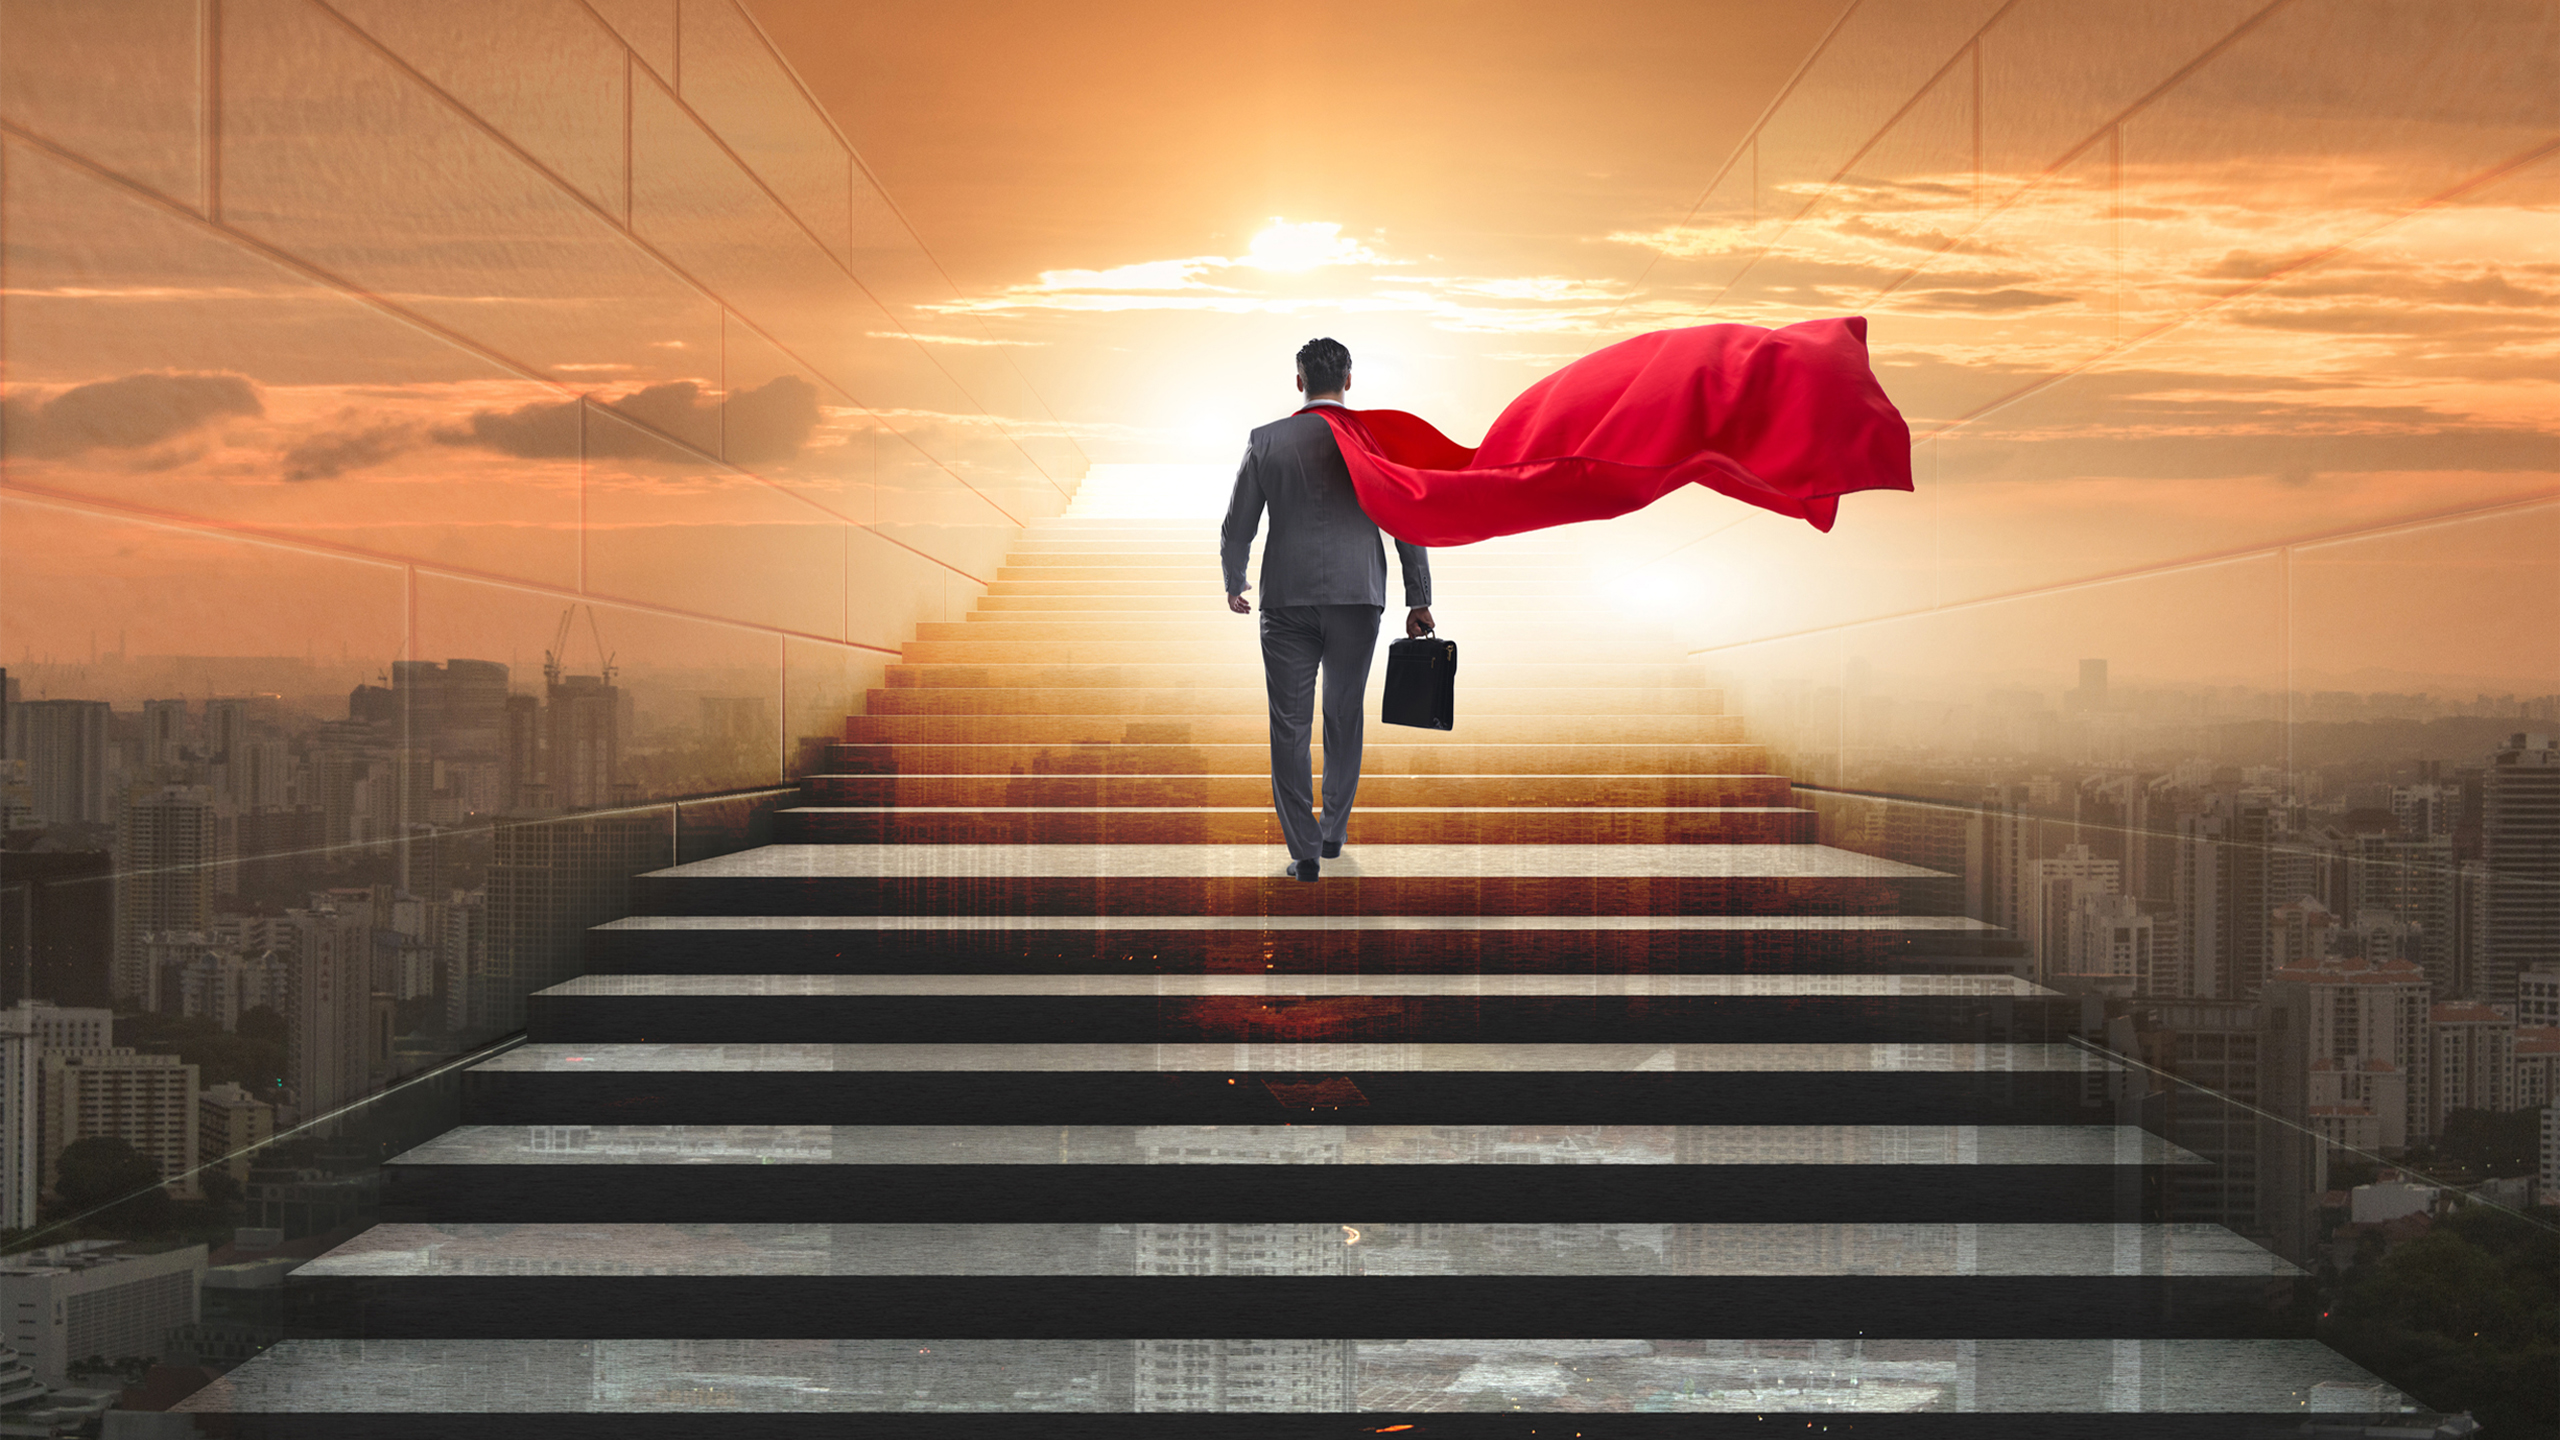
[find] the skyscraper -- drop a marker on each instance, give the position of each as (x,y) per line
(64,743)
(164,738)
(164,875)
(21,1129)
(332,985)
(2520,845)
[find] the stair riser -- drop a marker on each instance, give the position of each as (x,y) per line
(723,1307)
(1538,629)
(1341,895)
(1486,1020)
(1376,827)
(1194,602)
(1120,1424)
(1173,952)
(1146,756)
(1254,700)
(1241,646)
(1254,789)
(715,1193)
(1255,728)
(1185,1098)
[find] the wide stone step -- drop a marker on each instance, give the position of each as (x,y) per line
(1246,880)
(1246,673)
(950,1388)
(1343,944)
(1193,602)
(525,1174)
(1020,580)
(1258,825)
(1304,1279)
(1170,1009)
(1254,726)
(1240,643)
(1254,789)
(1224,625)
(1254,700)
(1144,754)
(1238,1083)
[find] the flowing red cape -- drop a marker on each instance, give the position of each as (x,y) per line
(1788,419)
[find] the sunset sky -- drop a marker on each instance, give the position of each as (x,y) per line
(2162,289)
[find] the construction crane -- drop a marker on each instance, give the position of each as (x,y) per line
(556,658)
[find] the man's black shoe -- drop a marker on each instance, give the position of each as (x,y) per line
(1301,870)
(1333,852)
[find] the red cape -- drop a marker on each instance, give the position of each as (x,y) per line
(1788,419)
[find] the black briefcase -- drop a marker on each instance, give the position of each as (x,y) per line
(1422,683)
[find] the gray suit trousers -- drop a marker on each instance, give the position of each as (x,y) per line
(1296,639)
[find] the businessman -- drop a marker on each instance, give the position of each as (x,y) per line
(1324,587)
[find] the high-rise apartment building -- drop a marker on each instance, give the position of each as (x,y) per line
(2122,939)
(65,746)
(165,858)
(147,1101)
(68,1303)
(21,1124)
(332,986)
(2366,1042)
(165,739)
(2538,993)
(2520,846)
(2223,895)
(2053,902)
(229,1123)
(2475,1056)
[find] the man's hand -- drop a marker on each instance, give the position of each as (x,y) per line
(1239,604)
(1417,621)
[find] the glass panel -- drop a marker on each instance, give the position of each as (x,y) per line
(688,710)
(821,685)
(329,154)
(732,80)
(2027,293)
(116,82)
(648,27)
(690,200)
(222,386)
(2053,71)
(894,589)
(925,508)
(780,422)
(2333,145)
(565,109)
(1903,201)
(667,527)
(1853,88)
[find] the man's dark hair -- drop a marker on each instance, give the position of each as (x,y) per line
(1326,363)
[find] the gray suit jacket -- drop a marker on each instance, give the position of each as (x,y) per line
(1324,549)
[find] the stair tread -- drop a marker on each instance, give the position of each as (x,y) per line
(1778,987)
(1146,924)
(569,1252)
(1055,1383)
(1455,1145)
(1253,861)
(1294,1057)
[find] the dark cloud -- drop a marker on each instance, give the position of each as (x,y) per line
(1983,301)
(130,412)
(769,423)
(352,445)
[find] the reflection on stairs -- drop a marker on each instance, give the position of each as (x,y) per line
(1015,1093)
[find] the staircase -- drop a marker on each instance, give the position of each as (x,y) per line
(1014,1092)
